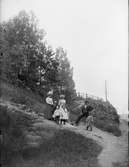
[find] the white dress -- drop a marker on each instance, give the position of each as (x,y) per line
(61,102)
(56,113)
(64,114)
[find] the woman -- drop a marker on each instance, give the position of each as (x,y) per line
(62,101)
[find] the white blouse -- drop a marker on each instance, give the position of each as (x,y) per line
(61,102)
(49,100)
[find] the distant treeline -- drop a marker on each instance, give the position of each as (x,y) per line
(27,60)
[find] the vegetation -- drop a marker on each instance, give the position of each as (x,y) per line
(25,97)
(64,146)
(36,156)
(124,164)
(29,68)
(72,149)
(28,61)
(12,124)
(105,115)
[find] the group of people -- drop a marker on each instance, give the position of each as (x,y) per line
(60,113)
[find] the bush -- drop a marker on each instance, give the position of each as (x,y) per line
(105,116)
(111,128)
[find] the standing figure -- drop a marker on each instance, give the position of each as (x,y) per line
(50,102)
(62,100)
(64,115)
(86,108)
(89,122)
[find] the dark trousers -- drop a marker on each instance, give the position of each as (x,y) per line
(63,121)
(57,119)
(80,117)
(89,126)
(52,109)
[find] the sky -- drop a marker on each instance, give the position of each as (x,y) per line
(95,35)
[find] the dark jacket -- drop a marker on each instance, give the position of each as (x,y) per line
(86,110)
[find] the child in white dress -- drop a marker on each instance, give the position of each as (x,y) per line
(64,115)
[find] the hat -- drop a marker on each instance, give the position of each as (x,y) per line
(62,96)
(50,93)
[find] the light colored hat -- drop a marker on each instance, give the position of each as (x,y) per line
(50,93)
(62,96)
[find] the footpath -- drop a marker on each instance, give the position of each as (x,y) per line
(115,149)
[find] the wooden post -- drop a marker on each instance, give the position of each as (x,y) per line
(106,91)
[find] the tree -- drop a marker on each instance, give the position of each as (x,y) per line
(27,60)
(65,74)
(23,38)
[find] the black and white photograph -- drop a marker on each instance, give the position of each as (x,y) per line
(64,83)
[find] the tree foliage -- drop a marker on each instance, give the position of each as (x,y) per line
(27,60)
(65,73)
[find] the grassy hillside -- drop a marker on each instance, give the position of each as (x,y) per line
(65,149)
(30,140)
(105,115)
(31,100)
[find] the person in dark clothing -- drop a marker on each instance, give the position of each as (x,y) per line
(52,104)
(86,108)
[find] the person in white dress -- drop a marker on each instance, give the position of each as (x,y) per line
(61,114)
(62,101)
(64,115)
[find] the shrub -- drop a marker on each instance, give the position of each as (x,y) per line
(105,116)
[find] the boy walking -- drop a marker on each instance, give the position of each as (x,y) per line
(89,122)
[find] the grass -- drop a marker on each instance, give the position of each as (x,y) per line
(108,126)
(105,116)
(124,164)
(12,125)
(24,96)
(65,149)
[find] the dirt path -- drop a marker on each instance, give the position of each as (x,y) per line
(114,148)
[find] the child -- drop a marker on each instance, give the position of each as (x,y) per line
(62,100)
(89,122)
(64,115)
